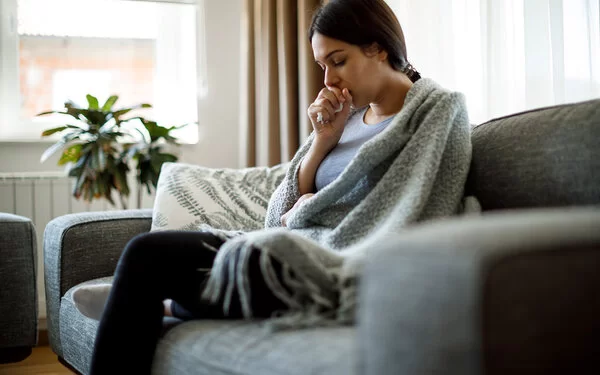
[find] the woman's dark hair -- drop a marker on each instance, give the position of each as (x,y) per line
(362,23)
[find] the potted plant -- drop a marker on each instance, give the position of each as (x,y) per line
(99,143)
(149,156)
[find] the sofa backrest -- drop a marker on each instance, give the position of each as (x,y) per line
(547,157)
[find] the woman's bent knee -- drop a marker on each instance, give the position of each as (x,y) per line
(145,247)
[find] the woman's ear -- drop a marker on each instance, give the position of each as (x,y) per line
(372,50)
(375,50)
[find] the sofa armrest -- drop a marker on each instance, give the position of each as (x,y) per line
(505,292)
(84,246)
(18,286)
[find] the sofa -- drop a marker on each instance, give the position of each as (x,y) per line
(18,288)
(512,290)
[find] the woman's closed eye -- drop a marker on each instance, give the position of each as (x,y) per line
(339,63)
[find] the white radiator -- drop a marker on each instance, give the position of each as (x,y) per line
(42,196)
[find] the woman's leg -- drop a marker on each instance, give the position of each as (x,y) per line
(262,302)
(153,267)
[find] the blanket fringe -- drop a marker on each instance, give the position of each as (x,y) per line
(306,305)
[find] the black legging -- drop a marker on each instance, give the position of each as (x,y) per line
(153,267)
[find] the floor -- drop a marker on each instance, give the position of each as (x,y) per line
(41,361)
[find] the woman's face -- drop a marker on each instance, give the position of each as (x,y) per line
(349,66)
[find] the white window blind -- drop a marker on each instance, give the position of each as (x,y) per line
(506,56)
(52,51)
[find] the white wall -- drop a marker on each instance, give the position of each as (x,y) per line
(218,111)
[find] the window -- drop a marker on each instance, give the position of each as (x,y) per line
(506,56)
(58,50)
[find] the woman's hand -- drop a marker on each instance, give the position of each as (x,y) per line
(327,120)
(296,205)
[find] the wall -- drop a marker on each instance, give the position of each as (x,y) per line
(219,109)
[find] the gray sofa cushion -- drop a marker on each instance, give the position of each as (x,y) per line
(240,347)
(547,157)
(219,347)
(77,332)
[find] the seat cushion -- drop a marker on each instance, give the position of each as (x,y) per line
(547,157)
(239,347)
(216,347)
(77,332)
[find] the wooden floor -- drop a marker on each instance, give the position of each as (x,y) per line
(41,361)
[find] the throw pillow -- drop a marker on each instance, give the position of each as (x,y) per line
(189,197)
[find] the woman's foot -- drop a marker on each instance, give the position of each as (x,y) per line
(167,305)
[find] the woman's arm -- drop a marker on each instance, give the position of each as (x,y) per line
(328,123)
(308,169)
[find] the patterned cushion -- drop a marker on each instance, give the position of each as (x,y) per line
(191,196)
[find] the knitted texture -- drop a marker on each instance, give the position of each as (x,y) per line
(413,171)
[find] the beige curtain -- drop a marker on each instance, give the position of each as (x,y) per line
(279,79)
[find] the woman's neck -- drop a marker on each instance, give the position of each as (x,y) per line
(390,99)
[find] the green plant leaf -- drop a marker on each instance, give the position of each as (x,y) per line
(94,162)
(108,188)
(88,193)
(120,113)
(109,103)
(131,108)
(92,102)
(50,112)
(120,179)
(157,160)
(96,118)
(107,126)
(70,155)
(101,159)
(48,132)
(144,135)
(80,180)
(51,150)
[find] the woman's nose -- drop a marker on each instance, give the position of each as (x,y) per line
(330,78)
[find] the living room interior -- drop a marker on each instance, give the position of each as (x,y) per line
(238,89)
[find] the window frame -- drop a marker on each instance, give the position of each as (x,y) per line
(29,131)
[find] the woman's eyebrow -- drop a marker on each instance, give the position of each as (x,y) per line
(331,53)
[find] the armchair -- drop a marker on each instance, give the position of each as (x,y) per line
(18,290)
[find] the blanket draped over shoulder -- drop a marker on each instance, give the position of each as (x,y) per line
(413,171)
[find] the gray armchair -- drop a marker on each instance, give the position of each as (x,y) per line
(78,248)
(18,291)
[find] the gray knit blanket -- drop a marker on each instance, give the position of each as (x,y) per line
(413,171)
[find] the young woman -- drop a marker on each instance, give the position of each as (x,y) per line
(360,46)
(367,76)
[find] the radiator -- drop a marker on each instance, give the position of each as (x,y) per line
(42,196)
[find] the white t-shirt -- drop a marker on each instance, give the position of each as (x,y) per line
(355,134)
